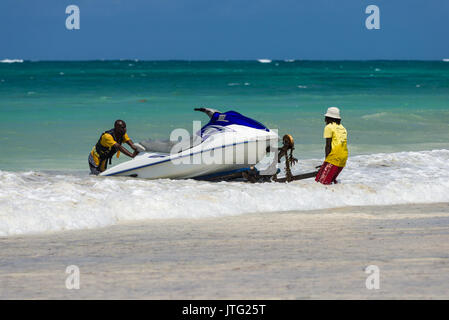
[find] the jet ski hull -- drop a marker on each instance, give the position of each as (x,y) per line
(230,141)
(193,163)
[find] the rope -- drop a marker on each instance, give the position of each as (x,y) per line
(288,144)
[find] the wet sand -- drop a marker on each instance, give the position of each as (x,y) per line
(286,255)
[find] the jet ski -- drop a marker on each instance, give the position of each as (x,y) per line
(230,142)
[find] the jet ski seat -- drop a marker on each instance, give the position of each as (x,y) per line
(164,146)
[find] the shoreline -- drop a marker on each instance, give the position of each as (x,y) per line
(318,254)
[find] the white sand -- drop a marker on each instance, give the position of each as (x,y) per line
(291,255)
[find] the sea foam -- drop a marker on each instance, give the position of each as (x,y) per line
(11,61)
(32,202)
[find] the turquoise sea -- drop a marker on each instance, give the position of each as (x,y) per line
(52,113)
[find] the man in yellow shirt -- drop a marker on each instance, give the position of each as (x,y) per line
(109,143)
(336,147)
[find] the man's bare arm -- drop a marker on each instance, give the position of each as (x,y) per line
(328,148)
(131,144)
(122,149)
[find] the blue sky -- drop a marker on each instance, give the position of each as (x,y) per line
(225,29)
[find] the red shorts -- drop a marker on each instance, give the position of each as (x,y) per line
(328,173)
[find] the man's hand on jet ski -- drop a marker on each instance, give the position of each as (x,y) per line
(134,147)
(125,151)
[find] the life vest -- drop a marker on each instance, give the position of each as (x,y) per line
(105,152)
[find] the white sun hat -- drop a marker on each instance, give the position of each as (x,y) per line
(333,112)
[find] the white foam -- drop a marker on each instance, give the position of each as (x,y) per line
(375,115)
(33,202)
(232,84)
(11,61)
(446,60)
(264,60)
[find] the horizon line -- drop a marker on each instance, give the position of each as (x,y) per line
(19,60)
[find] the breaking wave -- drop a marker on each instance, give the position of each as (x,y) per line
(33,202)
(11,61)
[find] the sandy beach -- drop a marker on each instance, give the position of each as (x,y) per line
(318,254)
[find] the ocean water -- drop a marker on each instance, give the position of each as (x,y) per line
(52,113)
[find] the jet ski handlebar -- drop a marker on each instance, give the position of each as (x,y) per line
(209,111)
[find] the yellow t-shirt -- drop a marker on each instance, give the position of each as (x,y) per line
(339,152)
(107,141)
